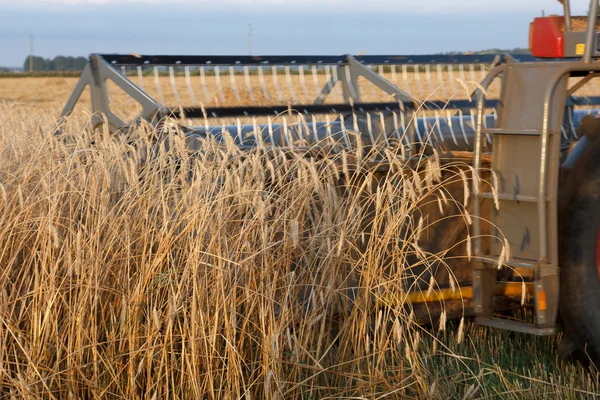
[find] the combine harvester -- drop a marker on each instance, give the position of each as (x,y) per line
(523,121)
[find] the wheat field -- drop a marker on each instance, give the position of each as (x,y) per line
(131,269)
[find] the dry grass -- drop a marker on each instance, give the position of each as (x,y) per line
(134,270)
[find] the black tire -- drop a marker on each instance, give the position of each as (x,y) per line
(579,216)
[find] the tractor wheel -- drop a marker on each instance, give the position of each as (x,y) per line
(579,205)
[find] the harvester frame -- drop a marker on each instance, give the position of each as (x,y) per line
(534,115)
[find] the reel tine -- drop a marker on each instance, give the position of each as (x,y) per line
(263,86)
(404,129)
(417,130)
(370,129)
(328,77)
(438,124)
(248,83)
(396,126)
(203,83)
(218,80)
(188,82)
(417,76)
(472,72)
(270,129)
(328,126)
(289,142)
(383,130)
(405,77)
(315,80)
(157,84)
(288,78)
(451,128)
(482,71)
(303,83)
(344,133)
(140,77)
(233,84)
(240,134)
(173,85)
(462,126)
(314,127)
(451,78)
(394,77)
(443,82)
(334,74)
(276,82)
(257,133)
(430,80)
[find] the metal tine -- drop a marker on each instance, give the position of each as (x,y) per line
(461,72)
(276,82)
(394,80)
(173,85)
(314,127)
(286,135)
(315,80)
(239,131)
(270,128)
(303,130)
(188,82)
(417,77)
(417,130)
(396,125)
(462,126)
(443,85)
(257,133)
(303,83)
(328,126)
(218,81)
(429,80)
(403,125)
(328,77)
(263,86)
(233,84)
(248,83)
(288,78)
(472,72)
(370,129)
(405,77)
(157,84)
(450,127)
(140,77)
(429,128)
(344,133)
(437,123)
(482,71)
(382,122)
(203,83)
(334,74)
(451,78)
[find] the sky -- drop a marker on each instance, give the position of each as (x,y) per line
(81,27)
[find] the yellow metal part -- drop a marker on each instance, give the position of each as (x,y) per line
(507,289)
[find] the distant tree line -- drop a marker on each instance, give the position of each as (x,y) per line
(58,63)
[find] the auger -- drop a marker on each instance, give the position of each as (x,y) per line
(520,116)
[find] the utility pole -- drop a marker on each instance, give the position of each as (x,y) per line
(30,53)
(249,39)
